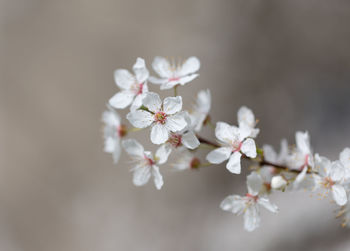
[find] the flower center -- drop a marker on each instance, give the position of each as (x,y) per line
(160,117)
(327,182)
(252,197)
(237,145)
(195,162)
(137,88)
(175,140)
(122,130)
(149,161)
(174,79)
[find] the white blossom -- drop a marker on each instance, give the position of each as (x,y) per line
(278,182)
(164,118)
(250,203)
(200,111)
(186,160)
(113,131)
(146,165)
(234,141)
(171,74)
(330,177)
(133,87)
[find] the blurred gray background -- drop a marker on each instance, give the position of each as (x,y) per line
(287,60)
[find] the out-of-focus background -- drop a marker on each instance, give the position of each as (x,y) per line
(287,60)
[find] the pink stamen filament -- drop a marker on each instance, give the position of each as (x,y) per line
(237,148)
(160,117)
(174,79)
(149,161)
(255,198)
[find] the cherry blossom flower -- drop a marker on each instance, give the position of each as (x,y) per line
(133,87)
(146,164)
(201,109)
(250,203)
(329,177)
(171,74)
(246,118)
(234,141)
(186,160)
(164,118)
(113,131)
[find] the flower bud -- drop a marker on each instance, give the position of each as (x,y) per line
(278,182)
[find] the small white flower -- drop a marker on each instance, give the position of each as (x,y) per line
(171,74)
(249,204)
(146,164)
(234,141)
(201,109)
(132,87)
(301,158)
(164,118)
(113,131)
(278,182)
(330,178)
(246,118)
(186,160)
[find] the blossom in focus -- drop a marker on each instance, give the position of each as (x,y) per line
(234,141)
(164,118)
(200,111)
(113,131)
(171,74)
(250,203)
(146,165)
(133,87)
(330,177)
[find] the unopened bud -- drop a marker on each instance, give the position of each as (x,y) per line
(278,182)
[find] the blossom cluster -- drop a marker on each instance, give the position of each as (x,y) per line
(175,130)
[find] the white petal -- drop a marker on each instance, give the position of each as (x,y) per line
(187,79)
(122,99)
(142,174)
(124,79)
(265,202)
(234,164)
(234,204)
(133,148)
(137,102)
(339,195)
(254,183)
(162,67)
(191,65)
(157,81)
(190,140)
(224,132)
(344,157)
(300,177)
(109,145)
(159,134)
(283,155)
(169,84)
(158,178)
(303,142)
(251,218)
(249,148)
(116,152)
(172,105)
(140,118)
(219,155)
(111,118)
(152,101)
(246,116)
(269,153)
(162,153)
(204,101)
(140,70)
(176,122)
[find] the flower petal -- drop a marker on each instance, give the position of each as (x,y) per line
(234,204)
(246,116)
(121,99)
(251,218)
(157,81)
(172,105)
(224,132)
(191,65)
(254,183)
(158,178)
(187,79)
(339,195)
(142,174)
(190,140)
(124,79)
(159,134)
(162,153)
(137,102)
(219,155)
(344,157)
(152,101)
(169,84)
(116,152)
(269,153)
(133,148)
(249,148)
(162,67)
(140,70)
(140,118)
(234,164)
(265,202)
(303,142)
(176,122)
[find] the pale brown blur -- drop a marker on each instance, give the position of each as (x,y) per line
(287,60)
